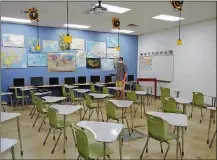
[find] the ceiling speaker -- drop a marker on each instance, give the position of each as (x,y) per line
(116,23)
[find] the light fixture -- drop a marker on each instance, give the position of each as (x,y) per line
(168,18)
(76,26)
(15,20)
(122,31)
(115,9)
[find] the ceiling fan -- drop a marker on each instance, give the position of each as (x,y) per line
(96,9)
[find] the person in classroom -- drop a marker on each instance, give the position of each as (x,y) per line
(108,80)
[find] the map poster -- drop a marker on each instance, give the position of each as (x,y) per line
(61,62)
(77,43)
(13,40)
(50,46)
(112,53)
(13,57)
(36,60)
(107,64)
(95,49)
(112,41)
(33,42)
(80,58)
(145,63)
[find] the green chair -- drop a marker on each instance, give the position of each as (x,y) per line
(90,105)
(3,103)
(106,91)
(198,100)
(18,98)
(165,92)
(65,94)
(33,102)
(138,88)
(89,151)
(156,130)
(74,99)
(131,96)
(169,106)
(93,89)
(55,124)
(41,109)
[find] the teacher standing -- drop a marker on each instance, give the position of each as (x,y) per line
(121,76)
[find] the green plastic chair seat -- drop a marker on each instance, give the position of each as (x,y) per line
(169,136)
(60,123)
(78,99)
(93,105)
(44,110)
(96,150)
(173,111)
(4,103)
(21,97)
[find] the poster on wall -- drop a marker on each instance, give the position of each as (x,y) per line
(61,62)
(77,43)
(63,46)
(80,58)
(13,40)
(33,42)
(95,49)
(112,53)
(145,63)
(50,46)
(93,63)
(13,57)
(112,41)
(107,64)
(37,60)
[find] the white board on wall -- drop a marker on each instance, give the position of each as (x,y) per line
(161,67)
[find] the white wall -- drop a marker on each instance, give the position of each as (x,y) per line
(194,60)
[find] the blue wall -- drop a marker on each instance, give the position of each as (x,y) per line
(128,44)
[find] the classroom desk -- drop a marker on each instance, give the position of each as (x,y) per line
(214,101)
(8,144)
(70,86)
(8,94)
(82,90)
(116,88)
(212,114)
(66,110)
(142,95)
(42,93)
(49,86)
(6,116)
(104,132)
(178,120)
(177,92)
(51,99)
(99,85)
(184,102)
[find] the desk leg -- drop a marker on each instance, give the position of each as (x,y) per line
(120,146)
(131,116)
(11,100)
(19,134)
(210,119)
(177,143)
(13,153)
(104,147)
(182,141)
(64,132)
(122,139)
(23,99)
(141,105)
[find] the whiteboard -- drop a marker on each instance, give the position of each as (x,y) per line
(162,68)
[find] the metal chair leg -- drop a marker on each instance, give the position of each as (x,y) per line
(33,112)
(101,114)
(202,116)
(192,109)
(167,150)
(35,120)
(56,142)
(73,134)
(161,149)
(78,157)
(212,139)
(84,113)
(47,136)
(16,103)
(90,115)
(128,126)
(3,108)
(146,144)
(42,123)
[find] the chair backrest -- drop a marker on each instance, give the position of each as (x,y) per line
(169,105)
(198,99)
(64,90)
(110,110)
(92,87)
(52,116)
(72,95)
(16,94)
(105,90)
(33,97)
(39,105)
(131,96)
(165,92)
(88,100)
(155,127)
(138,88)
(82,143)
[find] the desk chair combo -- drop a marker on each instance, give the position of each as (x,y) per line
(34,104)
(165,92)
(156,130)
(106,91)
(139,88)
(131,96)
(93,88)
(18,98)
(169,106)
(3,103)
(65,94)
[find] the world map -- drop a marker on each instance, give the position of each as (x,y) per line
(95,49)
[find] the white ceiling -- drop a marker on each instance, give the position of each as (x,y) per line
(54,14)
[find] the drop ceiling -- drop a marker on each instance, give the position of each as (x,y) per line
(53,14)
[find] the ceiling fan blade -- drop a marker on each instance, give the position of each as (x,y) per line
(88,11)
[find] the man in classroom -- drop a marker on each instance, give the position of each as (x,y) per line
(121,76)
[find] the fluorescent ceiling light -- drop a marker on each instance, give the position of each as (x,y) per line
(122,31)
(16,20)
(76,26)
(115,9)
(167,18)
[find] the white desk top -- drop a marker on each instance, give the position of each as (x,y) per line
(5,116)
(175,90)
(42,93)
(182,100)
(70,86)
(82,84)
(51,99)
(6,93)
(211,108)
(66,109)
(172,118)
(7,144)
(82,90)
(141,93)
(27,88)
(115,88)
(122,103)
(99,85)
(102,131)
(98,95)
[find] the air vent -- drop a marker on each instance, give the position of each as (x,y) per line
(132,25)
